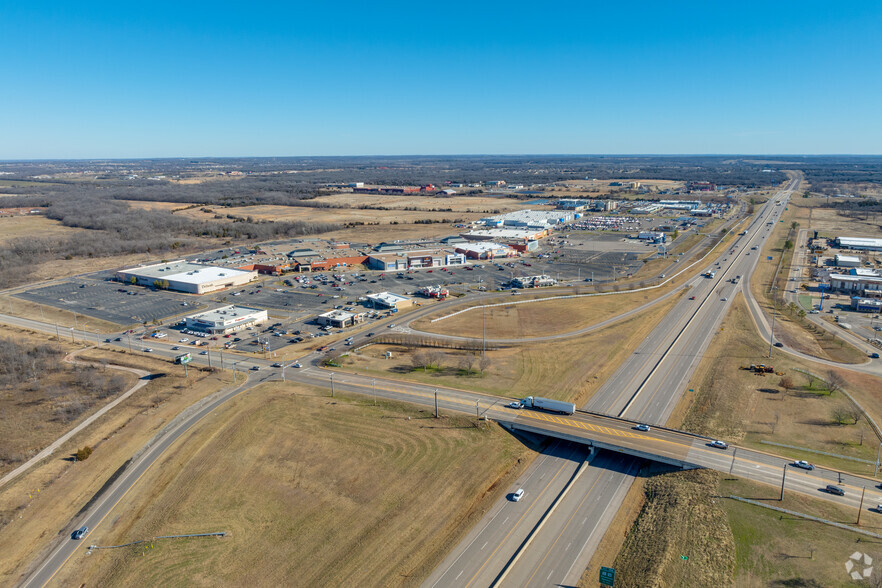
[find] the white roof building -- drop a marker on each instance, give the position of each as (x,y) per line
(860,243)
(226,319)
(389,300)
(186,276)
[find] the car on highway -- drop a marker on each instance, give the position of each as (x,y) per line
(255,368)
(79,533)
(692,298)
(277,365)
(515,405)
(297,364)
(834,489)
(641,427)
(803,464)
(719,444)
(874,355)
(778,344)
(517,495)
(183,340)
(175,348)
(723,299)
(147,350)
(203,352)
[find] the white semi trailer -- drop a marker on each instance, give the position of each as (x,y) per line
(549,405)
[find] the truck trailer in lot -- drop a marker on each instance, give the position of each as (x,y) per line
(549,405)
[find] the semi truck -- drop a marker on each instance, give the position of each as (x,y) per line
(549,405)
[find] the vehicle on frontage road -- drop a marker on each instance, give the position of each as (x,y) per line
(549,405)
(719,444)
(803,464)
(644,428)
(515,404)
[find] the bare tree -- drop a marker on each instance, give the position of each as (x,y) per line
(786,383)
(839,415)
(466,362)
(834,382)
(855,415)
(484,363)
(419,359)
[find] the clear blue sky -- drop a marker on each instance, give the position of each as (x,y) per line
(156,79)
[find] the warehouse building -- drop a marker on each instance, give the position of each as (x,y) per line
(859,285)
(226,319)
(185,276)
(866,304)
(388,301)
(859,243)
(846,260)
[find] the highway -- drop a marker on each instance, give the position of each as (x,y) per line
(645,388)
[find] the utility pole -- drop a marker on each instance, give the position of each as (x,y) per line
(483,330)
(783,477)
(332,385)
(876,469)
(732,467)
(57,334)
(477,409)
(774,311)
(436,403)
(374,387)
(861,507)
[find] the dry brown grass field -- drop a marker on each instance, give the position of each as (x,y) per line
(35,412)
(313,491)
(570,368)
(738,406)
(536,318)
(52,315)
(474,204)
(35,506)
(14,227)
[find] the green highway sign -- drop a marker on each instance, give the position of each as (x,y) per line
(607,576)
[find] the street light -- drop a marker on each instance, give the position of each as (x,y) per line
(374,385)
(332,385)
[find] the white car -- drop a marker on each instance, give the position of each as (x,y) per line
(644,428)
(719,444)
(515,405)
(803,464)
(517,495)
(184,340)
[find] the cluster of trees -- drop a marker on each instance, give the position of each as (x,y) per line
(21,363)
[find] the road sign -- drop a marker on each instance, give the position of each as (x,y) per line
(607,576)
(183,358)
(769,257)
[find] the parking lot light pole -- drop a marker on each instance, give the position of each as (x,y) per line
(783,477)
(436,403)
(374,386)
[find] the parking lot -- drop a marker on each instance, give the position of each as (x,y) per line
(104,301)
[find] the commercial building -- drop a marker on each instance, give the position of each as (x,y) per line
(388,300)
(226,319)
(311,260)
(485,250)
(846,260)
(868,286)
(859,243)
(652,237)
(532,219)
(397,190)
(533,281)
(866,304)
(521,235)
(185,276)
(414,259)
(339,319)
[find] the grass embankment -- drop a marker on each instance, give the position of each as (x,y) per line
(569,368)
(689,533)
(794,330)
(314,491)
(35,506)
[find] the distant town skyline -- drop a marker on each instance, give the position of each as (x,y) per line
(102,80)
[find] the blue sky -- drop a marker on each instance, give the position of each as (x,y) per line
(197,79)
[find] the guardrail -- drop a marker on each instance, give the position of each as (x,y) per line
(218,534)
(764,442)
